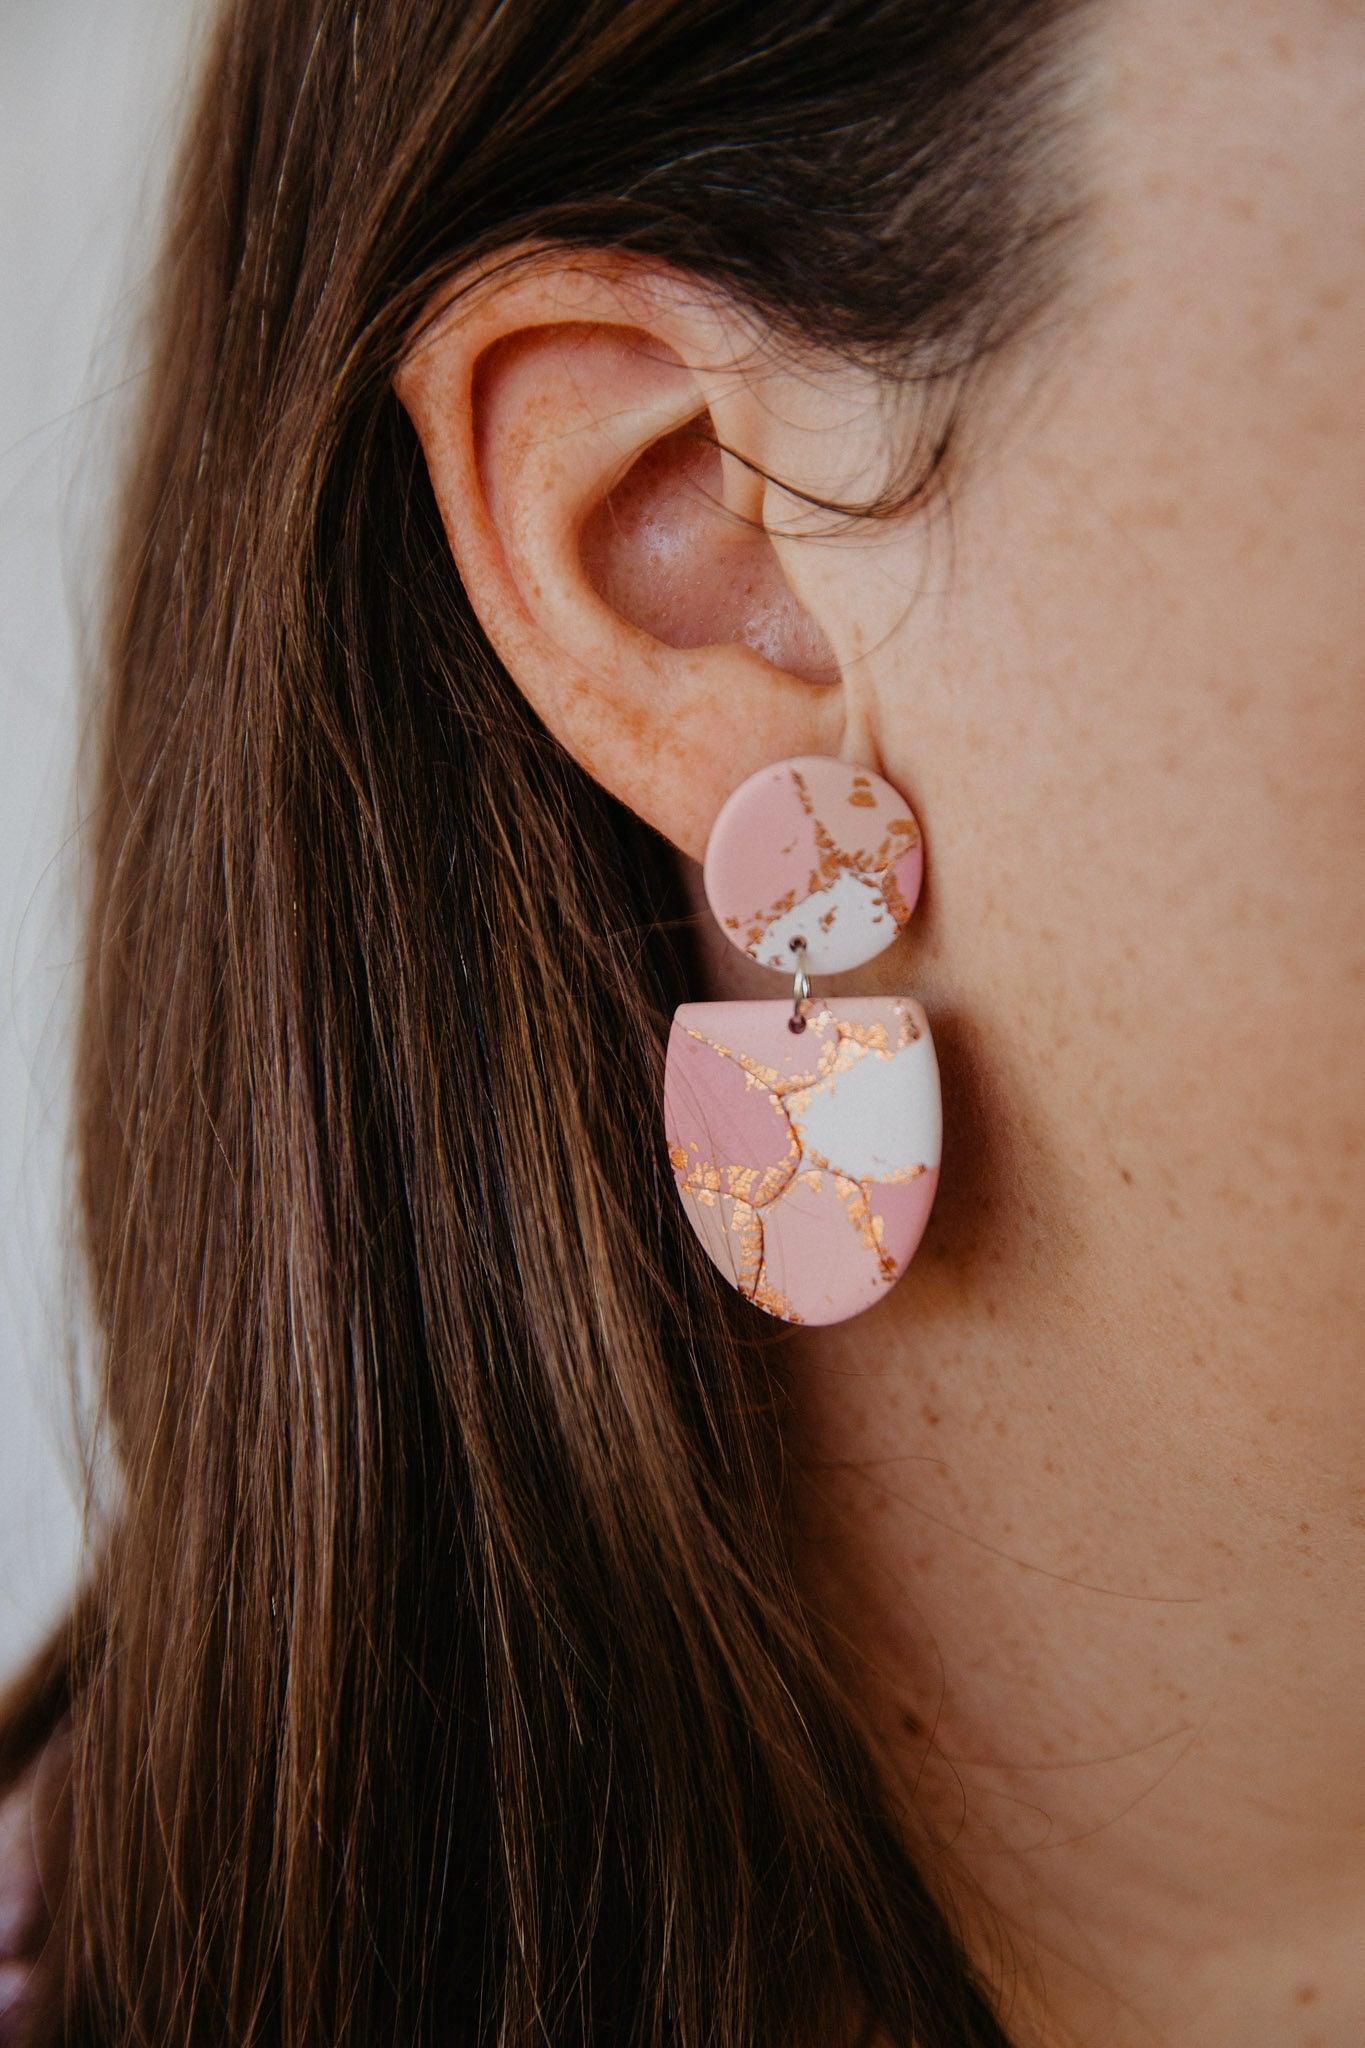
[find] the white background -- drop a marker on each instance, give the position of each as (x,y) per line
(90,95)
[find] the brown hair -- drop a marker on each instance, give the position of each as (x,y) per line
(441,1672)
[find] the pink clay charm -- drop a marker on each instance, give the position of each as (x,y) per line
(816,850)
(805,1134)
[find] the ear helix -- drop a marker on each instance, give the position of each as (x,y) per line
(805,1135)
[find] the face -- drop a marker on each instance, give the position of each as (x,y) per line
(1122,677)
(1093,1478)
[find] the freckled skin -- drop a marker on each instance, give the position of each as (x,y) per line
(1109,1543)
(1085,1496)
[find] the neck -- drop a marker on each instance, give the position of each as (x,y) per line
(1113,1652)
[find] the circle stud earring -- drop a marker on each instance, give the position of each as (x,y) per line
(805,1135)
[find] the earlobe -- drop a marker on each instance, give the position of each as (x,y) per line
(614,555)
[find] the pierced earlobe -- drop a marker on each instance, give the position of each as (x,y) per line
(805,1137)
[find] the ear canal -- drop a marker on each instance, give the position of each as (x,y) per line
(668,555)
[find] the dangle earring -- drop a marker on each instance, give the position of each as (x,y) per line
(805,1136)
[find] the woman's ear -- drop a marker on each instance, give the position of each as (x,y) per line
(573,414)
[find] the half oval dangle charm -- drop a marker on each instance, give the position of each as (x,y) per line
(807,1161)
(805,1136)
